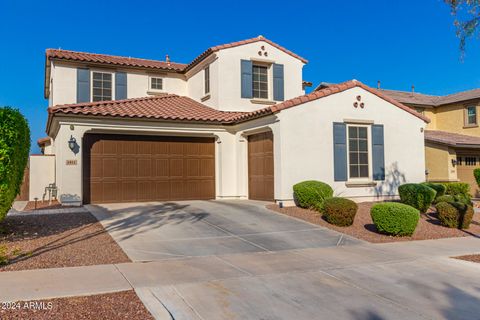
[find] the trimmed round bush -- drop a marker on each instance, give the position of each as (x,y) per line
(339,211)
(417,195)
(445,198)
(395,219)
(311,194)
(454,188)
(454,214)
(14,149)
(439,187)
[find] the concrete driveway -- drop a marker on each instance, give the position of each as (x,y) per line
(158,231)
(237,260)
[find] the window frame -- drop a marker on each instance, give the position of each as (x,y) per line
(206,80)
(267,67)
(467,116)
(150,83)
(369,178)
(112,74)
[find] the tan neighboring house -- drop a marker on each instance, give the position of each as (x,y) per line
(452,138)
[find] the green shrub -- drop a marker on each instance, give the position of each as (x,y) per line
(417,195)
(339,211)
(439,187)
(454,214)
(454,188)
(396,219)
(445,198)
(311,194)
(14,149)
(476,174)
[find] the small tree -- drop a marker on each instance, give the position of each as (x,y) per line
(476,174)
(14,150)
(467,19)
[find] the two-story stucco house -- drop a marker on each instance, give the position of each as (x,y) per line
(452,138)
(233,123)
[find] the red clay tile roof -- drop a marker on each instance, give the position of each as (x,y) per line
(335,88)
(113,60)
(452,139)
(167,107)
(171,107)
(43,141)
(239,43)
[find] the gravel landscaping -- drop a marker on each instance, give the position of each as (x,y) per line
(37,241)
(363,228)
(471,258)
(119,305)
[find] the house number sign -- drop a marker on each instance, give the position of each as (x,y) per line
(71,162)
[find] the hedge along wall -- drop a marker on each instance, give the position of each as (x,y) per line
(14,150)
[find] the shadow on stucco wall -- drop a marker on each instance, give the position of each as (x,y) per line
(393,179)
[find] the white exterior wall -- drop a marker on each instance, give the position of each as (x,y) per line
(64,83)
(42,173)
(306,147)
(229,75)
(196,83)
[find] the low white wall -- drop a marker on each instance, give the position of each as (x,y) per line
(42,173)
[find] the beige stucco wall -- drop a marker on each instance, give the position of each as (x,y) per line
(64,83)
(452,118)
(430,113)
(307,143)
(227,75)
(42,173)
(438,160)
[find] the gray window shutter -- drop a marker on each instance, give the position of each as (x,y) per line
(278,83)
(378,152)
(83,85)
(247,87)
(120,85)
(339,151)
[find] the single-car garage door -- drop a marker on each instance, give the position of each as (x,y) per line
(260,166)
(123,168)
(466,163)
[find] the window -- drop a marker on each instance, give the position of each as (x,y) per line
(260,82)
(470,161)
(156,83)
(101,86)
(207,80)
(471,115)
(420,110)
(358,151)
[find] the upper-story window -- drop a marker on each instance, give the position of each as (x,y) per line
(260,82)
(156,83)
(206,80)
(358,153)
(101,86)
(471,116)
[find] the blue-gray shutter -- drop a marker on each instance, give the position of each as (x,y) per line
(120,85)
(278,83)
(246,71)
(83,85)
(339,151)
(378,152)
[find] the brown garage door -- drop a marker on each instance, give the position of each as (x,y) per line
(465,165)
(122,168)
(260,166)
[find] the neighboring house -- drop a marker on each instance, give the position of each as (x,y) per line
(452,138)
(235,123)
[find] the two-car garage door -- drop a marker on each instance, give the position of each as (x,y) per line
(122,168)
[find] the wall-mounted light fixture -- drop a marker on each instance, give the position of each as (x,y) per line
(72,143)
(454,162)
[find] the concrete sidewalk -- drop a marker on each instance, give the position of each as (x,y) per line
(396,280)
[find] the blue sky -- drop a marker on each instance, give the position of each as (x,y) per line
(398,42)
